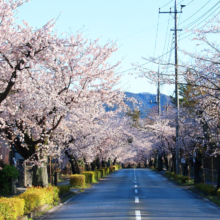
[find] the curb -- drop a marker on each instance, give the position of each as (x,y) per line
(54,209)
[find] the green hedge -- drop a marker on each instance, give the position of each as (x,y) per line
(182,178)
(90,176)
(206,188)
(98,174)
(77,180)
(102,172)
(63,189)
(218,193)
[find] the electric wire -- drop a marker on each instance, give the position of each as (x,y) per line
(196,20)
(195,13)
(155,46)
(200,23)
(146,62)
(166,4)
(143,30)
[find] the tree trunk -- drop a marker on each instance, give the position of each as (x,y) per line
(203,171)
(40,176)
(166,162)
(189,169)
(173,162)
(212,171)
(160,163)
(74,166)
(198,168)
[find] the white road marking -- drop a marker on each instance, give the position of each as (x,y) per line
(136,199)
(138,214)
(135,186)
(136,191)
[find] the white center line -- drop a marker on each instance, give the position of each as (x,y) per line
(136,191)
(138,214)
(136,199)
(135,186)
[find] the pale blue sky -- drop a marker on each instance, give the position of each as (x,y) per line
(133,23)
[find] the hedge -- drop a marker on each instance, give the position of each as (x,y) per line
(182,178)
(206,188)
(63,189)
(37,196)
(98,174)
(77,180)
(11,208)
(89,176)
(112,168)
(102,172)
(218,193)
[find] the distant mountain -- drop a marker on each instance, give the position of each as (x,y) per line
(145,100)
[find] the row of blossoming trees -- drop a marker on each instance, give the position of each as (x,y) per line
(53,96)
(199,120)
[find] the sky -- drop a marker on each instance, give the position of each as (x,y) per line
(136,25)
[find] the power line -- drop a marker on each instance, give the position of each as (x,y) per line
(195,21)
(201,22)
(143,30)
(166,4)
(146,63)
(156,34)
(195,13)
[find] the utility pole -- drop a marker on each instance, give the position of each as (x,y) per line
(176,79)
(158,95)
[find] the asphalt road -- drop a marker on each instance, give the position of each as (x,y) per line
(139,194)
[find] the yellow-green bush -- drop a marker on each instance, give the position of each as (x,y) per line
(77,180)
(102,172)
(37,196)
(11,208)
(56,192)
(107,170)
(98,174)
(218,193)
(206,188)
(89,176)
(63,189)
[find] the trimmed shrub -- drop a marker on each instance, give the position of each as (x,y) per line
(185,178)
(89,176)
(98,174)
(107,170)
(11,208)
(102,172)
(77,180)
(206,188)
(218,193)
(112,168)
(63,189)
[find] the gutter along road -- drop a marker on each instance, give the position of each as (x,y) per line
(136,194)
